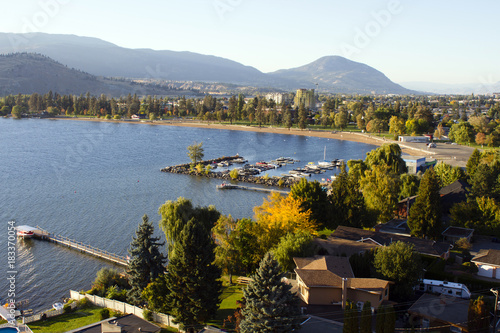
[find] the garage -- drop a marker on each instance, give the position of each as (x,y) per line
(485,270)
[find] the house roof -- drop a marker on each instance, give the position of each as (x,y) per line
(454,193)
(337,265)
(128,324)
(423,246)
(344,246)
(446,309)
(376,285)
(490,256)
(394,226)
(458,232)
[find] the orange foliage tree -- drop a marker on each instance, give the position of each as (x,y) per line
(278,216)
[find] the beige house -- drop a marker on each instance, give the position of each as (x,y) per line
(329,280)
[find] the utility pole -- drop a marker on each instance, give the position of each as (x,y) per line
(495,312)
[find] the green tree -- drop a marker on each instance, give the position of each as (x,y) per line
(146,261)
(473,162)
(351,318)
(347,204)
(17,111)
(448,174)
(366,318)
(193,278)
(380,323)
(389,155)
(226,252)
(195,152)
(176,214)
(298,244)
(397,125)
(287,116)
(399,263)
(155,294)
(389,320)
(425,213)
(341,119)
(302,115)
(270,306)
(463,132)
(478,316)
(380,188)
(313,197)
(409,185)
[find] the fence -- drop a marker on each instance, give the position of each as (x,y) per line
(45,314)
(122,307)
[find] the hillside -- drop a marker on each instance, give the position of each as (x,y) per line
(338,74)
(27,73)
(332,73)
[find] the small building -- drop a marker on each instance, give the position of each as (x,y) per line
(414,163)
(417,139)
(329,280)
(439,311)
(453,234)
(488,263)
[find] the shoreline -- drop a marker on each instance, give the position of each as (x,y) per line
(337,135)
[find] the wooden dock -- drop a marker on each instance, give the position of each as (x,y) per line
(80,246)
(260,189)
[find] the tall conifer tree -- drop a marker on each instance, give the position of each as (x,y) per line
(147,262)
(193,278)
(269,304)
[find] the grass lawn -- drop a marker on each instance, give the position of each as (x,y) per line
(230,294)
(66,322)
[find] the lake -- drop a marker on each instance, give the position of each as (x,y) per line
(93,182)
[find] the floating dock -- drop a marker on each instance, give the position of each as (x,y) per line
(259,189)
(80,246)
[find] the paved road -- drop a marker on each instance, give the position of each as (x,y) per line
(455,155)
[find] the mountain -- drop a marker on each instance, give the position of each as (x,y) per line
(101,58)
(27,73)
(338,74)
(97,57)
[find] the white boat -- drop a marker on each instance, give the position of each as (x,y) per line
(226,186)
(25,231)
(324,163)
(58,306)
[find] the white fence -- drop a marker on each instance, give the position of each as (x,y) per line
(122,307)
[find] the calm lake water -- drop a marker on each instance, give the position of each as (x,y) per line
(93,182)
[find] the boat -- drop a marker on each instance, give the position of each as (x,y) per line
(226,186)
(58,306)
(324,162)
(25,231)
(240,160)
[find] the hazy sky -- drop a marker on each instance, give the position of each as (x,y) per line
(437,41)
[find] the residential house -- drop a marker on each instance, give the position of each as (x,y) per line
(395,227)
(422,246)
(440,311)
(453,234)
(329,280)
(488,263)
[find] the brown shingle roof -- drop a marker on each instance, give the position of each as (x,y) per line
(490,256)
(367,284)
(458,232)
(337,265)
(423,246)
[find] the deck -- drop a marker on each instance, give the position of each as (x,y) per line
(80,246)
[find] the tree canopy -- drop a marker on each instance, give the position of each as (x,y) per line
(195,152)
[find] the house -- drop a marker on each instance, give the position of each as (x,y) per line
(422,246)
(453,234)
(439,311)
(488,263)
(126,324)
(327,280)
(344,247)
(395,227)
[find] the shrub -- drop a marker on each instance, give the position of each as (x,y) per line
(67,308)
(148,314)
(116,313)
(281,182)
(84,303)
(470,267)
(117,117)
(234,174)
(104,313)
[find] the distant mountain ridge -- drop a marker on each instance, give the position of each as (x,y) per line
(97,57)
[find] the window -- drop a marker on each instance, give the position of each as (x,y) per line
(386,292)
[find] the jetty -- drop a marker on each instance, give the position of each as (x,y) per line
(259,189)
(42,234)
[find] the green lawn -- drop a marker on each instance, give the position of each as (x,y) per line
(230,294)
(66,322)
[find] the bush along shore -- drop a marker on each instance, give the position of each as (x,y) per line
(191,169)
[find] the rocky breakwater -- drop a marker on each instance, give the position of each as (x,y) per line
(188,169)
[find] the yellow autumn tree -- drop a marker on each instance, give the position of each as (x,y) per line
(278,216)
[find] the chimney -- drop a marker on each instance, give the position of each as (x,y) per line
(344,292)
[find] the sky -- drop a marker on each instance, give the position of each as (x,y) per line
(441,41)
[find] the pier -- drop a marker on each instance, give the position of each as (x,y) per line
(80,246)
(259,189)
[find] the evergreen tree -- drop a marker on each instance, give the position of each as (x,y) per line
(287,116)
(193,278)
(314,198)
(379,325)
(146,261)
(366,318)
(302,114)
(270,305)
(351,318)
(389,320)
(425,213)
